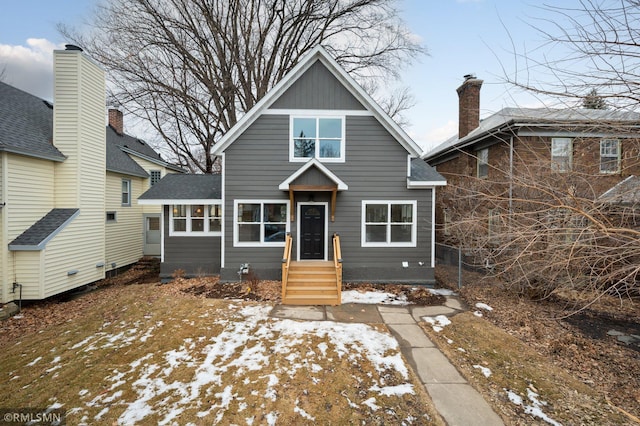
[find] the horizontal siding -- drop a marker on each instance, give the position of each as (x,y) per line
(28,272)
(79,246)
(4,280)
(29,192)
(375,169)
(148,166)
(194,255)
(124,238)
(317,88)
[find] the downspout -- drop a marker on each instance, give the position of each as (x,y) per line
(510,175)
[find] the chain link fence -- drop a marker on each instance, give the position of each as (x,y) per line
(456,259)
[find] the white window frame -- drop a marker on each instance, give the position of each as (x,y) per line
(604,154)
(317,115)
(563,167)
(389,243)
(152,181)
(482,156)
(206,217)
(128,192)
(261,243)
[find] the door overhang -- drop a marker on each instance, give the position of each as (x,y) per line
(302,180)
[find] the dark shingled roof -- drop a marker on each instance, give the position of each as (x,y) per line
(119,161)
(422,172)
(38,234)
(26,124)
(185,187)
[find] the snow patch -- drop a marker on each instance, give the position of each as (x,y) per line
(484,370)
(373,298)
(535,409)
(484,306)
(438,323)
(442,291)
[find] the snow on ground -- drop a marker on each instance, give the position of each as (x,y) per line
(485,371)
(438,322)
(535,409)
(484,306)
(442,291)
(373,298)
(246,344)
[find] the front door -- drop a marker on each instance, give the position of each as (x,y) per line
(312,231)
(152,235)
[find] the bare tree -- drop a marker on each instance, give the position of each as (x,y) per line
(592,45)
(548,231)
(194,67)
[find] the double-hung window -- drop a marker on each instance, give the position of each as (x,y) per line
(561,154)
(483,163)
(389,223)
(317,137)
(195,219)
(126,193)
(609,156)
(260,222)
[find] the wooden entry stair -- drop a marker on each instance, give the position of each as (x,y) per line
(312,282)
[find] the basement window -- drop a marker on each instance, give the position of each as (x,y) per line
(111,217)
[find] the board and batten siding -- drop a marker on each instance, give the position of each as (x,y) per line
(194,256)
(375,168)
(124,237)
(317,88)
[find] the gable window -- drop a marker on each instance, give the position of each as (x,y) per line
(561,154)
(126,193)
(155,176)
(195,219)
(609,156)
(389,223)
(317,137)
(483,163)
(260,222)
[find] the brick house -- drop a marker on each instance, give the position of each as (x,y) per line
(581,153)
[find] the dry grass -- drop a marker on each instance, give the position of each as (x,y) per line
(471,341)
(151,352)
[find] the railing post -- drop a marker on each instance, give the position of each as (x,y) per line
(286,261)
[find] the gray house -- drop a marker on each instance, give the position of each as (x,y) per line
(314,158)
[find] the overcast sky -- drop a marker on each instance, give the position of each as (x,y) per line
(462,36)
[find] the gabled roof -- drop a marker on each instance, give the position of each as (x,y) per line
(26,124)
(318,54)
(340,185)
(184,189)
(512,118)
(40,233)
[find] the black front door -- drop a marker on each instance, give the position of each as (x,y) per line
(312,231)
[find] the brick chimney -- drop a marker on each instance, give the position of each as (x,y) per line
(469,105)
(115,120)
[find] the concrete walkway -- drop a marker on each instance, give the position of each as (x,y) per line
(456,401)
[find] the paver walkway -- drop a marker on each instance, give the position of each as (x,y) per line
(456,401)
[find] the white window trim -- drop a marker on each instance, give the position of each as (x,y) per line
(569,164)
(414,227)
(237,243)
(316,115)
(122,192)
(617,157)
(188,232)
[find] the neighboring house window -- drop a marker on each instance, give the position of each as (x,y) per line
(609,156)
(561,154)
(389,223)
(195,219)
(111,217)
(126,192)
(260,222)
(319,137)
(483,163)
(156,175)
